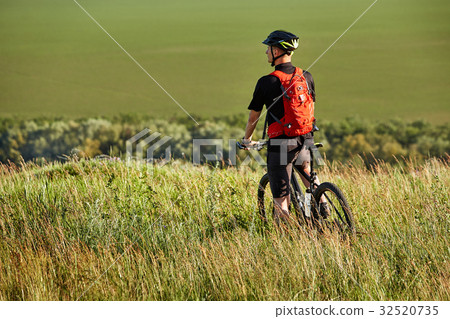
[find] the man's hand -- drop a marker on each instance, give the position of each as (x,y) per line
(247,143)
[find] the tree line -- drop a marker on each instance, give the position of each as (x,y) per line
(58,138)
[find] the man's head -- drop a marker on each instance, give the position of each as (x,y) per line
(280,43)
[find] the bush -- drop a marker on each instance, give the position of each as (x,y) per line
(53,139)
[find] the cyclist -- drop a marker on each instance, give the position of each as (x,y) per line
(290,133)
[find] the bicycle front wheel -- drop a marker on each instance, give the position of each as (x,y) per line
(265,199)
(338,216)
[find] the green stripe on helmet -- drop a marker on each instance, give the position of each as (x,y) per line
(287,45)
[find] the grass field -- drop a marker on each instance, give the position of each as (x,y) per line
(101,230)
(208,54)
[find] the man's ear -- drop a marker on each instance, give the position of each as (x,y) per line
(276,51)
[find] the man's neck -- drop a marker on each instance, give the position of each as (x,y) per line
(283,59)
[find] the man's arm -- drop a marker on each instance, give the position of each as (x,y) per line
(253,118)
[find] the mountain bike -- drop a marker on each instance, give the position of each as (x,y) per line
(305,206)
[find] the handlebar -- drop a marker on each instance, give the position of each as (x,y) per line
(257,146)
(260,145)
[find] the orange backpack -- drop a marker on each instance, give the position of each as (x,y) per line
(298,103)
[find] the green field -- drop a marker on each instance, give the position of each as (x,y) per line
(102,230)
(55,61)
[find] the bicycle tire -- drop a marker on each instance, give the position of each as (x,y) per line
(263,204)
(340,213)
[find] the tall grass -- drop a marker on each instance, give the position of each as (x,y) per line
(102,230)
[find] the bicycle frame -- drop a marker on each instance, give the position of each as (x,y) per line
(311,178)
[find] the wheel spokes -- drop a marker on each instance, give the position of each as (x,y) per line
(334,206)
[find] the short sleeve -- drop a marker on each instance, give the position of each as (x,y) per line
(263,89)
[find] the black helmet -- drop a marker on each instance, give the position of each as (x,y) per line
(282,39)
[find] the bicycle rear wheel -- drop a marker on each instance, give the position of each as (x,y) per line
(265,199)
(340,216)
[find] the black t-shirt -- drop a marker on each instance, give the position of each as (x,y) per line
(268,89)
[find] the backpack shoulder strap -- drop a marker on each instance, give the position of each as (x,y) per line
(310,90)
